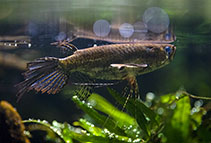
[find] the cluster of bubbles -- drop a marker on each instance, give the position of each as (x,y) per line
(133,129)
(102,28)
(113,135)
(154,19)
(149,97)
(197,106)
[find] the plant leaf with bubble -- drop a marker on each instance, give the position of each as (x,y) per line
(168,118)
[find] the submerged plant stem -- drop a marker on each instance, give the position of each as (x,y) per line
(196,97)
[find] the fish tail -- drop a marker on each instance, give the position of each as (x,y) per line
(43,74)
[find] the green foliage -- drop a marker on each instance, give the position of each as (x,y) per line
(169,118)
(178,125)
(139,111)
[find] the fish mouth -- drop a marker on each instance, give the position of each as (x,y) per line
(172,54)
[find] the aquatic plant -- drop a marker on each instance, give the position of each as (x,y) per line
(167,118)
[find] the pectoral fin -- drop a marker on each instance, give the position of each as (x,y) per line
(129,65)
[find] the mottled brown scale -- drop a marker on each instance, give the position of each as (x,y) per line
(96,61)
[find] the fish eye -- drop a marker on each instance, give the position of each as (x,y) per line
(168,49)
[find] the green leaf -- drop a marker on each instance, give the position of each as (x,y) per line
(178,122)
(81,136)
(65,133)
(98,118)
(53,133)
(91,128)
(181,118)
(104,106)
(132,109)
(168,98)
(147,111)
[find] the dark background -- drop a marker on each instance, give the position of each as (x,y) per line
(44,20)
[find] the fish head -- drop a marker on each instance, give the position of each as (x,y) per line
(167,53)
(170,51)
(159,55)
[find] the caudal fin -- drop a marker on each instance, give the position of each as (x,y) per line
(43,74)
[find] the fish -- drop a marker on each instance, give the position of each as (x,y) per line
(137,37)
(107,62)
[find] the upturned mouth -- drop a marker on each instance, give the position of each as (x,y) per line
(172,54)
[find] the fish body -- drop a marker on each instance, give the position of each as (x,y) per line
(113,62)
(110,62)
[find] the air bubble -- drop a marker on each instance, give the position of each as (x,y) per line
(126,30)
(129,140)
(130,127)
(140,30)
(140,27)
(160,111)
(134,130)
(198,103)
(75,97)
(148,103)
(150,96)
(44,121)
(156,19)
(101,28)
(137,140)
(194,110)
(173,106)
(111,135)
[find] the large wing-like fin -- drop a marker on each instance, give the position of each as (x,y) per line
(43,75)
